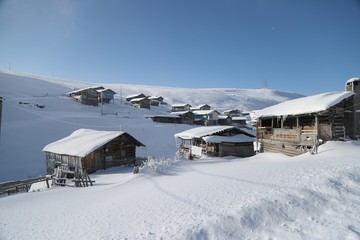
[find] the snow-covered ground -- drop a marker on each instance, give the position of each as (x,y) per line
(267,196)
(26,129)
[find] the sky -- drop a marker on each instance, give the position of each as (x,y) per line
(306,47)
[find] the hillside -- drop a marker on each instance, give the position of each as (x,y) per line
(26,129)
(267,196)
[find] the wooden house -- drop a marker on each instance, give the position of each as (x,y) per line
(186,117)
(156,100)
(201,107)
(232,113)
(106,95)
(296,126)
(140,102)
(91,150)
(239,121)
(224,120)
(134,96)
(180,107)
(206,117)
(87,96)
(218,141)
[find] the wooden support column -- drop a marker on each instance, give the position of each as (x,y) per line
(297,122)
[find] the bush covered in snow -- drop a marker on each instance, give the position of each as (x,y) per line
(158,166)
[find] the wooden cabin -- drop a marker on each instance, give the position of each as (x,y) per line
(186,117)
(296,126)
(87,96)
(217,141)
(232,113)
(106,95)
(156,100)
(224,120)
(92,150)
(239,121)
(206,117)
(133,96)
(180,107)
(140,102)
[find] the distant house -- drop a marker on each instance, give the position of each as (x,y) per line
(180,107)
(295,126)
(134,96)
(239,121)
(186,117)
(206,117)
(140,102)
(106,95)
(87,96)
(156,100)
(91,150)
(216,141)
(232,113)
(224,120)
(201,107)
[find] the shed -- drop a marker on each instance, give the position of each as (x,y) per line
(92,150)
(140,102)
(87,96)
(295,126)
(217,141)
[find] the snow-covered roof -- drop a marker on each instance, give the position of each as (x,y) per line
(82,142)
(138,99)
(135,95)
(179,113)
(204,112)
(231,139)
(201,132)
(304,105)
(180,105)
(352,80)
(83,89)
(105,90)
(239,118)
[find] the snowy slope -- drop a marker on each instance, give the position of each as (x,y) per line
(268,196)
(26,129)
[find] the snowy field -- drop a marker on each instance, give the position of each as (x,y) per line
(267,196)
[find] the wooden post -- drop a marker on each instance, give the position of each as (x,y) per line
(47,183)
(1,102)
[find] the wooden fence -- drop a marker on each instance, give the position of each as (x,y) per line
(21,185)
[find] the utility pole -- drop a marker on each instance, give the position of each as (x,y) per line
(102,113)
(1,102)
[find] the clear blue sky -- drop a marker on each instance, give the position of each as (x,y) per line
(303,46)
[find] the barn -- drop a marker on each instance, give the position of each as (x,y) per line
(91,150)
(297,126)
(218,141)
